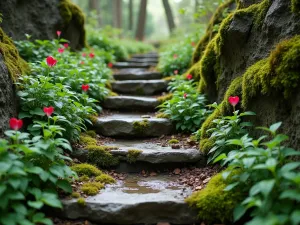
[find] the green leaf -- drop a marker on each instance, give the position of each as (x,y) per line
(51,200)
(238,212)
(64,185)
(290,194)
(220,157)
(37,111)
(295,217)
(265,187)
(35,204)
(275,127)
(19,208)
(231,186)
(23,115)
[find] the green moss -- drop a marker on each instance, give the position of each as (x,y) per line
(173,141)
(193,72)
(140,126)
(87,140)
(71,12)
(162,115)
(16,66)
(86,169)
(206,144)
(84,178)
(215,205)
(75,195)
(169,78)
(164,98)
(93,118)
(92,188)
(105,179)
(111,93)
(132,155)
(296,6)
(100,156)
(81,202)
(91,133)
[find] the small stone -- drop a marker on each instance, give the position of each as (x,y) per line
(175,146)
(143,172)
(198,188)
(152,174)
(206,180)
(177,171)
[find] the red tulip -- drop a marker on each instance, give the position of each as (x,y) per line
(234,100)
(110,65)
(58,33)
(175,72)
(15,124)
(66,45)
(84,54)
(51,61)
(175,56)
(189,76)
(82,62)
(48,110)
(61,50)
(185,95)
(85,87)
(91,55)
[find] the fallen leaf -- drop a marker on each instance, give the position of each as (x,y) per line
(177,171)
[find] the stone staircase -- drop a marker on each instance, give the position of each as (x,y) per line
(139,199)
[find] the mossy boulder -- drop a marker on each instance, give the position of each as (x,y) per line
(100,156)
(86,169)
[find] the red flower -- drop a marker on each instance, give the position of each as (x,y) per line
(66,45)
(82,62)
(175,72)
(61,50)
(185,95)
(85,87)
(84,54)
(91,55)
(175,56)
(110,65)
(51,61)
(193,44)
(58,33)
(189,76)
(15,124)
(48,110)
(234,100)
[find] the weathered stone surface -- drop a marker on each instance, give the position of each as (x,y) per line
(124,65)
(8,100)
(124,125)
(143,60)
(145,56)
(131,103)
(137,200)
(140,87)
(40,19)
(136,74)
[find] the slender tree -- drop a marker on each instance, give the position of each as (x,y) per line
(169,15)
(130,18)
(117,8)
(95,5)
(141,20)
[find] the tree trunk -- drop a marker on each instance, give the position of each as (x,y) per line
(95,5)
(141,20)
(118,14)
(130,19)
(169,15)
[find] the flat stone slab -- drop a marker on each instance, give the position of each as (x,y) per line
(131,103)
(143,56)
(136,74)
(143,60)
(140,87)
(124,125)
(122,65)
(136,200)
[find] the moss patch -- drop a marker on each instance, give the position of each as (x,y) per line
(87,140)
(75,195)
(91,133)
(215,205)
(296,6)
(86,169)
(84,178)
(132,155)
(162,115)
(100,156)
(140,126)
(164,98)
(81,202)
(92,188)
(173,141)
(105,179)
(71,12)
(16,66)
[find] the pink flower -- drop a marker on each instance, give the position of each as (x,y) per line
(110,65)
(51,61)
(58,33)
(84,54)
(175,56)
(82,62)
(48,110)
(66,45)
(15,124)
(85,87)
(175,72)
(91,55)
(234,100)
(189,76)
(185,95)
(61,50)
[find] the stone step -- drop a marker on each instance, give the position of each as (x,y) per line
(131,103)
(132,125)
(143,60)
(145,56)
(124,65)
(136,200)
(137,74)
(140,87)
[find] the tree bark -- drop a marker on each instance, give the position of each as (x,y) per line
(130,18)
(118,14)
(95,5)
(141,20)
(169,15)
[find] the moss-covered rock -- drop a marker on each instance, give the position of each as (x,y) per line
(162,115)
(75,195)
(140,126)
(215,205)
(81,201)
(100,156)
(86,169)
(105,179)
(296,6)
(91,188)
(87,140)
(164,98)
(132,155)
(173,141)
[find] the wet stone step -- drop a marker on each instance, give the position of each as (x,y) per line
(143,60)
(140,87)
(123,65)
(136,200)
(137,74)
(131,103)
(143,56)
(132,125)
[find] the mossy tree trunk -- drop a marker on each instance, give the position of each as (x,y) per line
(141,20)
(169,15)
